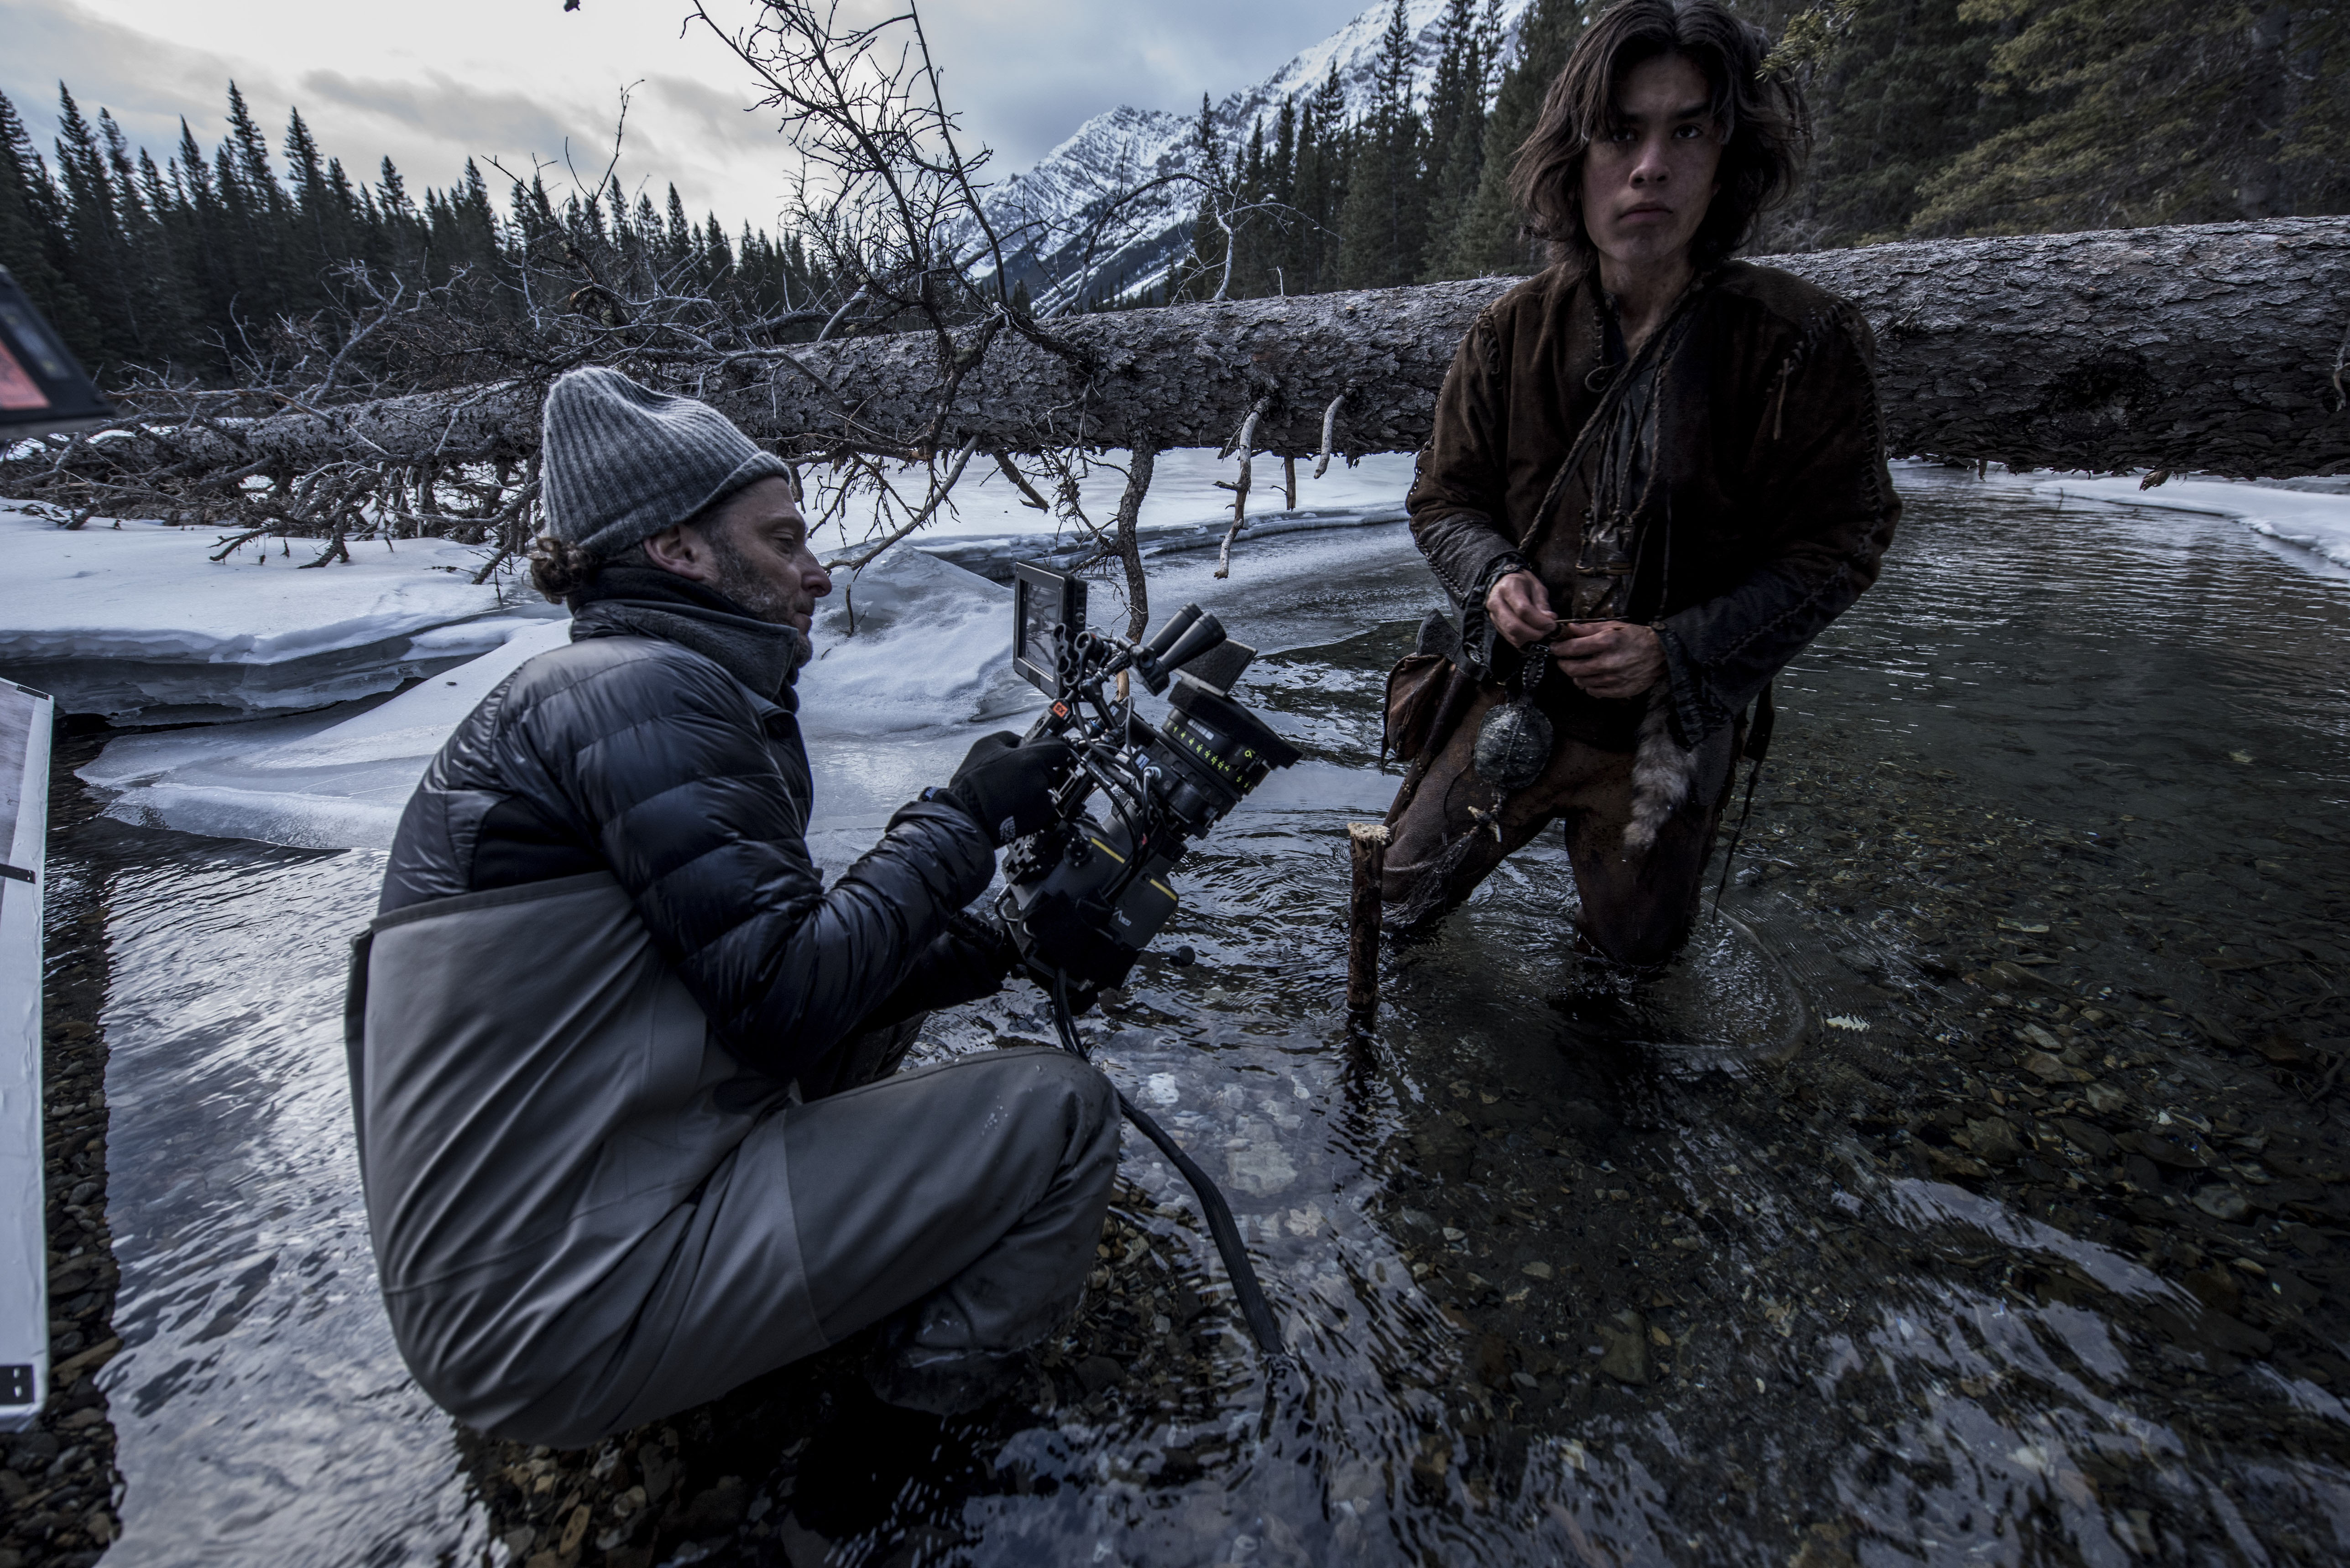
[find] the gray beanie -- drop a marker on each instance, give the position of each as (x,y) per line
(622,462)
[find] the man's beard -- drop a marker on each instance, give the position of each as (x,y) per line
(763,599)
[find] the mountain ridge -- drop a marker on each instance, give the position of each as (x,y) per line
(1064,226)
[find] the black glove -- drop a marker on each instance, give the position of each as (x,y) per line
(970,960)
(1006,787)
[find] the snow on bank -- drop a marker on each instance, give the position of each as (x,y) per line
(2314,521)
(990,526)
(890,707)
(315,782)
(893,706)
(133,622)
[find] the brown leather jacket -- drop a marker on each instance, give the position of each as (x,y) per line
(1742,445)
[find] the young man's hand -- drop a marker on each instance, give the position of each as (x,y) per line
(1609,658)
(1519,608)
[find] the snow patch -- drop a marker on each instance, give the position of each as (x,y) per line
(2311,520)
(315,782)
(134,622)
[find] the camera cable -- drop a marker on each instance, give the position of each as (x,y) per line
(1245,1289)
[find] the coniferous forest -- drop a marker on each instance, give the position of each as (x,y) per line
(1933,117)
(190,269)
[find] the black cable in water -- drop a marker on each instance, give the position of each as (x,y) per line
(1245,1289)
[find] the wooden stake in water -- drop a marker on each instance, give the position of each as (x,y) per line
(1369,841)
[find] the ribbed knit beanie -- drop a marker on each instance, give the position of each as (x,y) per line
(622,462)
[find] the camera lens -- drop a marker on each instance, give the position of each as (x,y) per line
(1219,748)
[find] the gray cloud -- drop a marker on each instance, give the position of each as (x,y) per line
(147,84)
(1023,74)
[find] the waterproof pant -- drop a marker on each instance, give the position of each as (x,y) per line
(1449,829)
(968,1196)
(585,1215)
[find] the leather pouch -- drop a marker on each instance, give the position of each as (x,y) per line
(1415,688)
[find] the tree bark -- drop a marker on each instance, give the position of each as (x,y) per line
(2211,346)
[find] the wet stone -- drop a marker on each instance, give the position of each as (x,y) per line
(1624,1342)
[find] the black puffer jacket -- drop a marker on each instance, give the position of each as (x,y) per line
(662,744)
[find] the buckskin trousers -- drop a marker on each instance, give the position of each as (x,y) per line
(1447,833)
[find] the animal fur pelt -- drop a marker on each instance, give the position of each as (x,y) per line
(1661,772)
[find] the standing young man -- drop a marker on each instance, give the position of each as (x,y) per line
(1657,474)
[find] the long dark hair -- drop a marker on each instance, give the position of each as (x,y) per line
(1767,122)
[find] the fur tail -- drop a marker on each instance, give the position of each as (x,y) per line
(1661,773)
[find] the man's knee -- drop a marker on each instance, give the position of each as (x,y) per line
(1051,1095)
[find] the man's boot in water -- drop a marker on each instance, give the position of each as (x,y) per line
(915,1366)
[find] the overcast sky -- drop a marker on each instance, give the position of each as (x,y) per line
(431,82)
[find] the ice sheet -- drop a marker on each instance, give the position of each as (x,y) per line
(2316,521)
(314,782)
(133,621)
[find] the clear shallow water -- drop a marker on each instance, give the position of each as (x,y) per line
(1550,1297)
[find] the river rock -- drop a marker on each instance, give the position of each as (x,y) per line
(2046,1067)
(1625,1343)
(717,1511)
(1262,1170)
(1994,1138)
(2223,1202)
(2094,1141)
(2176,1147)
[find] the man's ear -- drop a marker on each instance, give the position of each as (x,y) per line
(677,549)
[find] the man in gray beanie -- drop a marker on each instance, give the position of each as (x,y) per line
(624,1070)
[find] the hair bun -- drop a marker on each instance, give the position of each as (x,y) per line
(559,568)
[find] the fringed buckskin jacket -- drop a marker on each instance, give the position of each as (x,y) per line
(1726,485)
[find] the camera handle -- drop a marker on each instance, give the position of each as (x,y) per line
(1245,1289)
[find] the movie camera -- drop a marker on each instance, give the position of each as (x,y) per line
(1085,895)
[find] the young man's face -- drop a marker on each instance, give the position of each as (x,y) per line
(755,550)
(1650,177)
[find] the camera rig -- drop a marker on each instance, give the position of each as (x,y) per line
(1084,896)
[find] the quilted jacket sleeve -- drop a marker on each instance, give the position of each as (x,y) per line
(661,761)
(1825,507)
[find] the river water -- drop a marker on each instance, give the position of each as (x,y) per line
(2031,1251)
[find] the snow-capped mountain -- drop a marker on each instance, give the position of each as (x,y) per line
(1110,210)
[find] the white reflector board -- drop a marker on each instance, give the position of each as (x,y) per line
(24,717)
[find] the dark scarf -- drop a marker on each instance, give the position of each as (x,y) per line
(645,601)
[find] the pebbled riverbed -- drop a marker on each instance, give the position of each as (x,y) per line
(2032,1251)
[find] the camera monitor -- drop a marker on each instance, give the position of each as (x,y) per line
(42,390)
(1048,607)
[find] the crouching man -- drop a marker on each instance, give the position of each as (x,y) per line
(622,1066)
(1657,473)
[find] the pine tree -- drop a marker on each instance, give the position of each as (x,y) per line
(1202,274)
(100,263)
(1383,227)
(33,245)
(1488,237)
(1457,100)
(1900,99)
(2160,112)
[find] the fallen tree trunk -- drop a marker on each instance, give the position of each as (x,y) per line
(2216,346)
